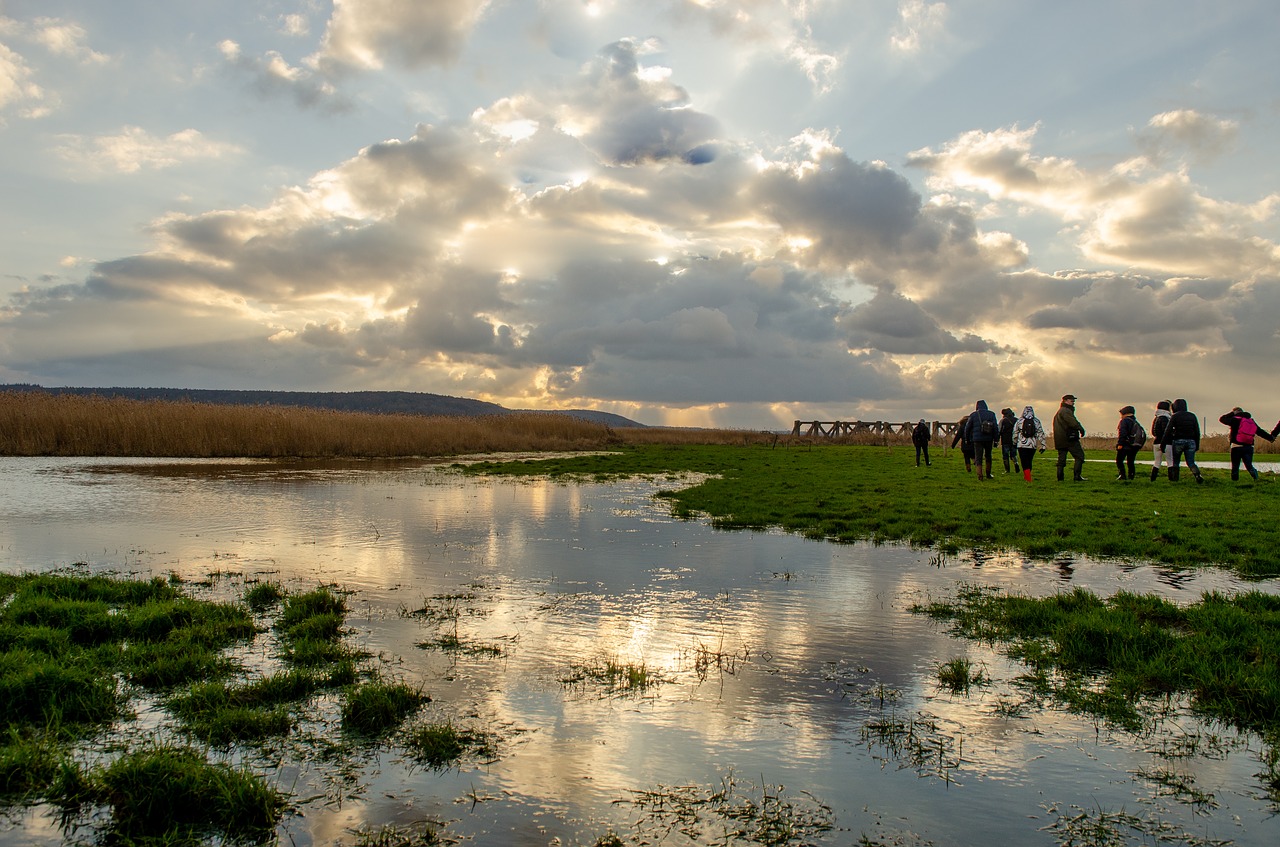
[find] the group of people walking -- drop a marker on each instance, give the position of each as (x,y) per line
(1174,433)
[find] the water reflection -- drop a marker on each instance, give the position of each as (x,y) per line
(781,660)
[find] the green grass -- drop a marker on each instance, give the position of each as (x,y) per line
(851,493)
(174,795)
(439,745)
(1111,657)
(376,708)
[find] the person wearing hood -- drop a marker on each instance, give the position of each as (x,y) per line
(983,429)
(1161,454)
(920,438)
(1008,423)
(1067,433)
(1126,444)
(1244,432)
(1183,435)
(1029,436)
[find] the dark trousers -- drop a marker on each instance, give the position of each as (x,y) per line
(1124,456)
(1242,453)
(922,449)
(982,455)
(1077,453)
(1026,454)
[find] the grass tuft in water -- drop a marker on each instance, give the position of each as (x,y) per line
(440,745)
(174,795)
(616,677)
(377,708)
(959,675)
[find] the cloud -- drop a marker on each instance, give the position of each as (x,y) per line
(919,21)
(17,87)
(134,149)
(364,34)
(779,29)
(1131,214)
(891,323)
(1203,136)
(65,39)
(272,76)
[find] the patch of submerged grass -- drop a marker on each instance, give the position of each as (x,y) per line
(960,674)
(174,795)
(422,834)
(263,596)
(377,708)
(1109,657)
(219,714)
(439,745)
(28,765)
(615,676)
(733,813)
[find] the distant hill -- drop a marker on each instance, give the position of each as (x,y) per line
(378,402)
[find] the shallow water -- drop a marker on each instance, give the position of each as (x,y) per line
(779,658)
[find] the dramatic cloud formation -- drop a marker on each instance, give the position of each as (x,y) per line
(579,205)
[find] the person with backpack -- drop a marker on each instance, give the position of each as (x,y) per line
(1067,433)
(982,429)
(1183,433)
(1161,454)
(1244,433)
(920,438)
(1130,438)
(1008,423)
(1029,438)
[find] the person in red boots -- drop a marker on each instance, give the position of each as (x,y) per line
(1029,437)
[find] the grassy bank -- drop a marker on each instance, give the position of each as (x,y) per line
(848,493)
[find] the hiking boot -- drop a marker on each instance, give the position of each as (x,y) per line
(1079,479)
(1199,478)
(1155,472)
(1121,478)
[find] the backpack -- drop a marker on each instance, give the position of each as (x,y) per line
(987,428)
(1246,431)
(1138,435)
(1029,429)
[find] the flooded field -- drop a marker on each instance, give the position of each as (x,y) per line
(771,690)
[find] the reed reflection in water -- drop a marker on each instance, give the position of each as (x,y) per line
(771,660)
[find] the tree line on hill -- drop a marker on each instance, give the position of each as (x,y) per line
(377,402)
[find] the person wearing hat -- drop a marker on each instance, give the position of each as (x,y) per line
(920,438)
(1161,454)
(1067,433)
(1127,445)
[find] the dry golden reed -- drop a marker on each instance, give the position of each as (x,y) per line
(39,424)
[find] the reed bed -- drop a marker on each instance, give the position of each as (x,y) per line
(36,424)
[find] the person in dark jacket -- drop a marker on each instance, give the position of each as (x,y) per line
(920,438)
(1126,450)
(1067,433)
(1161,454)
(966,446)
(1008,423)
(983,429)
(1183,434)
(1244,431)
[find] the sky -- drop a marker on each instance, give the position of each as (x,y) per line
(733,213)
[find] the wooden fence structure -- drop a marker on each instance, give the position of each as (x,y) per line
(842,429)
